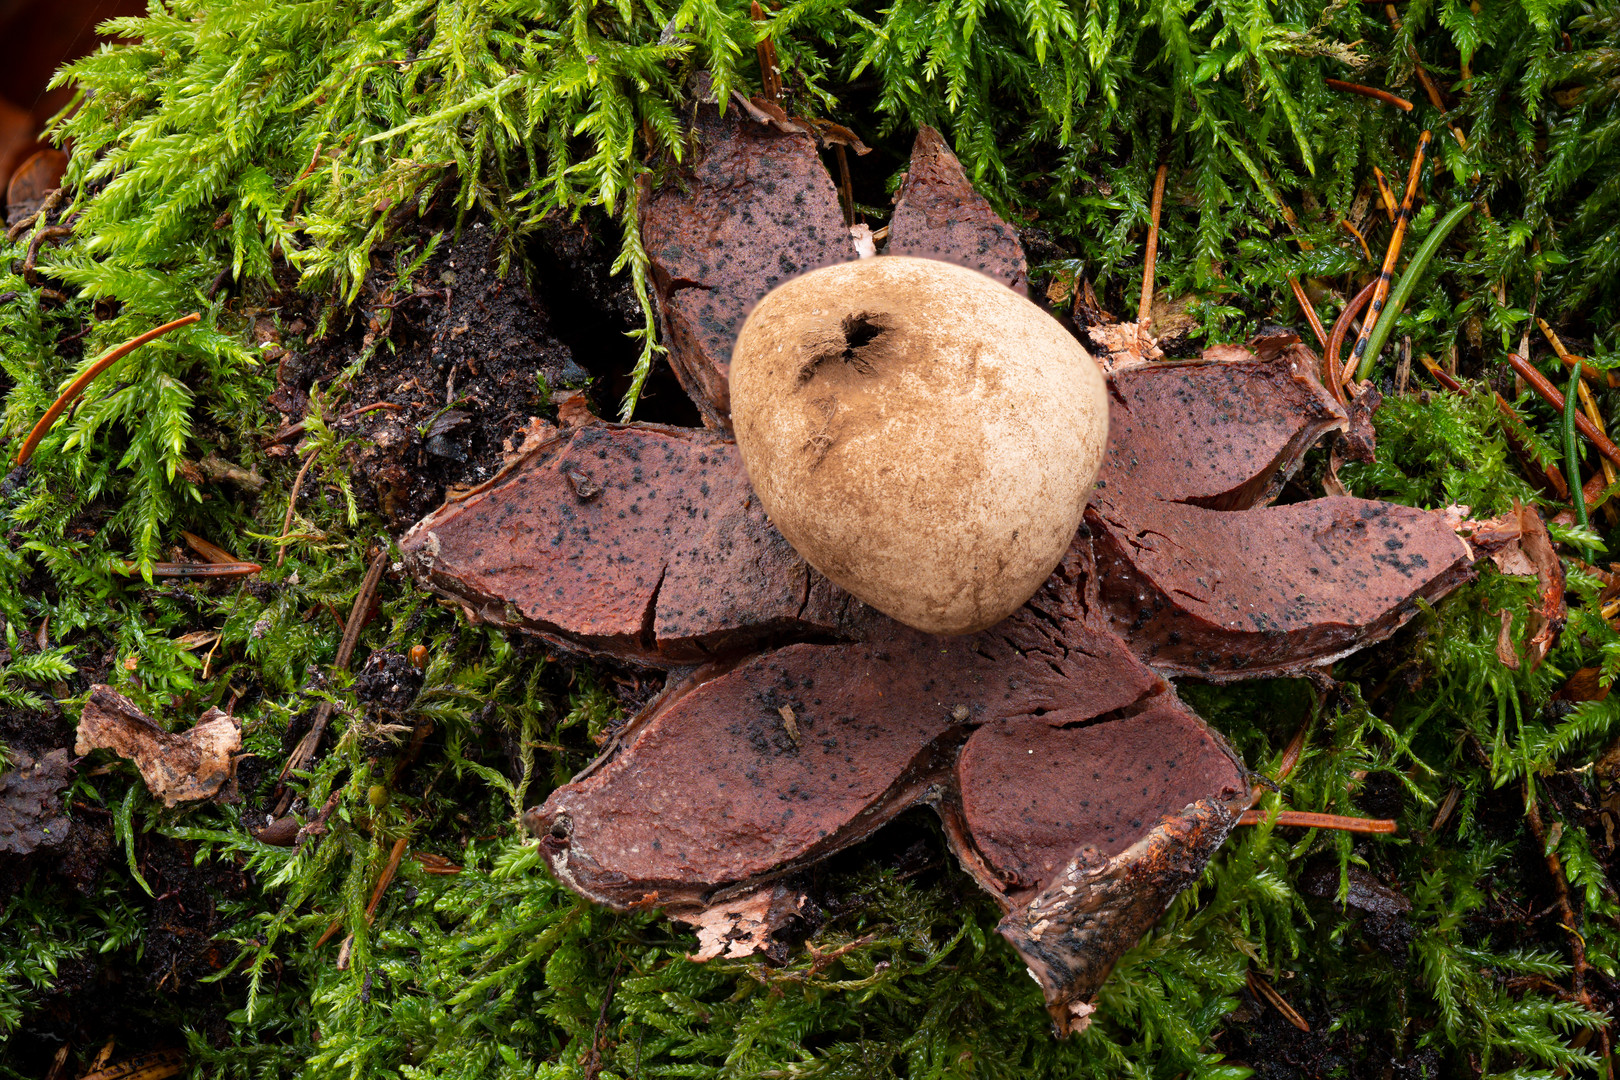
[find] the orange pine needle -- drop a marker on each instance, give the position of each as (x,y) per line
(77,386)
(1386,274)
(1309,310)
(1355,232)
(1369,91)
(1306,819)
(1570,360)
(1385,195)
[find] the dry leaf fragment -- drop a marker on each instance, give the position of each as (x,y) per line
(1584,684)
(30,812)
(525,439)
(1504,642)
(177,767)
(744,926)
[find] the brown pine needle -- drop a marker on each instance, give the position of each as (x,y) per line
(770,73)
(846,187)
(1369,91)
(376,894)
(1355,232)
(1555,478)
(1423,78)
(1385,195)
(1566,909)
(210,551)
(1551,395)
(77,386)
(1337,378)
(1262,989)
(292,501)
(1386,274)
(387,875)
(1570,360)
(304,752)
(1144,309)
(1306,819)
(1309,309)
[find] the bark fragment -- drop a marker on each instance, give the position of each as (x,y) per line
(177,768)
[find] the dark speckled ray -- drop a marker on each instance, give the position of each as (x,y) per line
(1202,579)
(637,541)
(756,207)
(938,215)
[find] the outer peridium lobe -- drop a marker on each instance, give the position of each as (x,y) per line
(920,434)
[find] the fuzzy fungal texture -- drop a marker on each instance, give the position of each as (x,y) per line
(1071,781)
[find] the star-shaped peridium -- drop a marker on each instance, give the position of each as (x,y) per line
(1073,783)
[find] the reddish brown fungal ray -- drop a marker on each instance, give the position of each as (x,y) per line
(753,206)
(637,541)
(1036,789)
(1223,432)
(1203,580)
(939,215)
(810,748)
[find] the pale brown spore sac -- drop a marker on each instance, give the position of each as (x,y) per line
(939,215)
(922,435)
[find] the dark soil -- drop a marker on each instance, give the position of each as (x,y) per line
(471,362)
(146,1000)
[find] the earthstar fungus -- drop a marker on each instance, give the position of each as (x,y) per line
(1072,782)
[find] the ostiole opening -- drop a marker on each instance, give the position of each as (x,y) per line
(861,340)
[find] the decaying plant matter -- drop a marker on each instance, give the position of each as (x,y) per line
(176,767)
(1073,783)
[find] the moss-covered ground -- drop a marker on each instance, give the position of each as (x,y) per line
(293,169)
